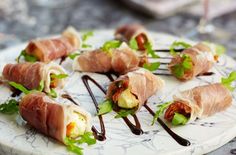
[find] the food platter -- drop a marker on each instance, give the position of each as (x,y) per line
(205,135)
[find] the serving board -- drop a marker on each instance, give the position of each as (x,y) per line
(205,135)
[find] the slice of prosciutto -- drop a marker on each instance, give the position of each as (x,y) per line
(52,119)
(130,91)
(136,31)
(200,102)
(119,60)
(31,74)
(202,59)
(46,50)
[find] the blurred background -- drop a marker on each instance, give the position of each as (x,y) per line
(208,20)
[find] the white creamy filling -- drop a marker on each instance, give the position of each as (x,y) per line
(79,125)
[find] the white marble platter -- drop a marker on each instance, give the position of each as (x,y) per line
(205,135)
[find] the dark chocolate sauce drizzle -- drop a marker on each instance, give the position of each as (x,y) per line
(68,97)
(177,138)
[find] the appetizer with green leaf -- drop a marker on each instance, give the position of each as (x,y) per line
(199,102)
(128,93)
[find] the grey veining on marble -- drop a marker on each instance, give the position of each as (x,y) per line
(100,14)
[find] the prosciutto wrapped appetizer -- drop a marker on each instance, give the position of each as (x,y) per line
(199,102)
(119,60)
(130,91)
(46,50)
(52,119)
(193,61)
(133,31)
(30,75)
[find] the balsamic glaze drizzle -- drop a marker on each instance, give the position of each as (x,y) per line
(177,138)
(62,60)
(68,97)
(98,135)
(168,50)
(135,128)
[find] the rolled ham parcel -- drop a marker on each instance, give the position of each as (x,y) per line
(200,102)
(31,74)
(46,50)
(130,91)
(202,59)
(119,60)
(52,119)
(133,31)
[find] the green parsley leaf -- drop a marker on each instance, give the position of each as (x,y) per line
(59,76)
(150,51)
(179,119)
(9,107)
(228,81)
(160,110)
(71,146)
(177,44)
(27,57)
(86,46)
(41,86)
(105,107)
(152,66)
(112,44)
(186,64)
(87,138)
(73,55)
(133,44)
(86,35)
(53,93)
(125,113)
(20,87)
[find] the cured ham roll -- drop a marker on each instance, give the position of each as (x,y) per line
(46,50)
(130,91)
(52,119)
(133,31)
(31,74)
(119,60)
(200,102)
(200,57)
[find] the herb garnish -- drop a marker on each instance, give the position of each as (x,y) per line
(178,44)
(228,81)
(150,51)
(27,57)
(25,90)
(151,66)
(125,113)
(59,76)
(53,93)
(105,107)
(133,44)
(112,44)
(19,87)
(85,37)
(73,55)
(9,107)
(72,144)
(179,119)
(160,110)
(186,65)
